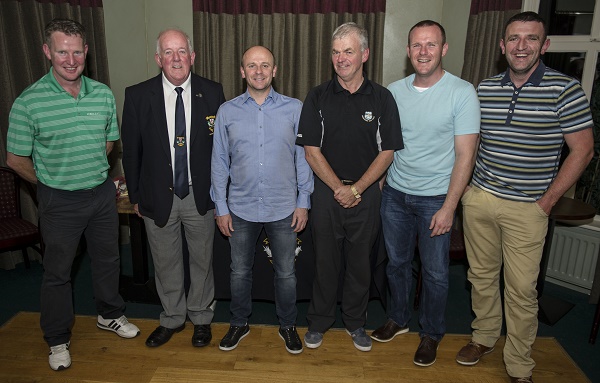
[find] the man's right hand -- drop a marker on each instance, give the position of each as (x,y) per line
(225,224)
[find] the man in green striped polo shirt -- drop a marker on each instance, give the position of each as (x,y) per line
(527,114)
(60,132)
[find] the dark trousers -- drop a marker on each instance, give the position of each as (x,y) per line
(342,238)
(64,217)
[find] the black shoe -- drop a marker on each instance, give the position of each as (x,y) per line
(292,341)
(202,335)
(233,337)
(162,335)
(426,353)
(388,331)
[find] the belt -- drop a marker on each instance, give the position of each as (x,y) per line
(347,182)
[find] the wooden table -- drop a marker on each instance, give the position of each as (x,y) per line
(552,309)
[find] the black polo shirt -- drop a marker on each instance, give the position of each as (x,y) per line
(350,128)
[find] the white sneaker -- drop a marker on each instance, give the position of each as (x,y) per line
(59,357)
(120,326)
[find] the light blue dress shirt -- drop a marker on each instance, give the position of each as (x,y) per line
(254,148)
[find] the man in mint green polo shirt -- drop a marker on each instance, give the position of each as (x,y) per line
(60,132)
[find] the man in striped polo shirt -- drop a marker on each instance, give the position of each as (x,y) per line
(527,114)
(60,132)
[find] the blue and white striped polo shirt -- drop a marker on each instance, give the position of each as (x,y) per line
(522,131)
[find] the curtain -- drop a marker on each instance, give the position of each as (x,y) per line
(483,57)
(297,31)
(22,25)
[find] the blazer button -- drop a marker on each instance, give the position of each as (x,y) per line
(171,189)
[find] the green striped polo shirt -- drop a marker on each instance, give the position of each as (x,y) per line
(522,131)
(65,136)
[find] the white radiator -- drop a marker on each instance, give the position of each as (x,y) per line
(573,256)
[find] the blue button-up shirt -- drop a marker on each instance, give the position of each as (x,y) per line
(254,148)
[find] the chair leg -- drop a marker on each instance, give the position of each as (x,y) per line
(26,258)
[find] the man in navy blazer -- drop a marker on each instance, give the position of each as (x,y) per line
(167,133)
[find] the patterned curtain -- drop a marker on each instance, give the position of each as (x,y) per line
(297,31)
(482,50)
(22,25)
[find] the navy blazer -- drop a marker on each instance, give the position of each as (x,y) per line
(147,150)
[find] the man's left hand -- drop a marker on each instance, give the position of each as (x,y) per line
(441,222)
(299,219)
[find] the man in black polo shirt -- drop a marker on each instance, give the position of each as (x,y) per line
(350,128)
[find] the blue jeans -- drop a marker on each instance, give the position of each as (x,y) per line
(406,219)
(282,241)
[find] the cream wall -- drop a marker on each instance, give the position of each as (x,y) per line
(132,27)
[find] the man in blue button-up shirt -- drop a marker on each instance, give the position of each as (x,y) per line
(270,185)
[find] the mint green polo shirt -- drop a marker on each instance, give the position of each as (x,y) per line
(65,136)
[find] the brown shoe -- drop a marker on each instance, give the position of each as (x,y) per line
(426,353)
(388,331)
(521,380)
(471,353)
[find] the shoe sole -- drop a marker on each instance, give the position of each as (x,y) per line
(60,368)
(103,327)
(235,345)
(359,347)
(295,352)
(424,364)
(475,362)
(313,345)
(403,331)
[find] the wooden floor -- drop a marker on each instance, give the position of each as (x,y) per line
(100,356)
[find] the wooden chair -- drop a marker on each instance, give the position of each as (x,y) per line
(457,253)
(15,232)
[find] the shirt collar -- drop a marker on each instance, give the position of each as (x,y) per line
(534,79)
(365,87)
(168,87)
(86,85)
(272,95)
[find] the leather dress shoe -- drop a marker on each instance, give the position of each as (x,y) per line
(426,353)
(162,335)
(388,331)
(202,335)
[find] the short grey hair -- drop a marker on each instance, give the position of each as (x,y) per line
(190,49)
(350,28)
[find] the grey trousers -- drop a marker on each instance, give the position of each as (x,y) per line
(167,255)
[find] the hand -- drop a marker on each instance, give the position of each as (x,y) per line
(225,224)
(137,210)
(441,222)
(299,219)
(345,197)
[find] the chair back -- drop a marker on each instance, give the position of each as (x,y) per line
(10,203)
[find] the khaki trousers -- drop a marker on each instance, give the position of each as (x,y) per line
(500,232)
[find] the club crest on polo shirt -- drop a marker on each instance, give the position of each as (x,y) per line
(267,249)
(368,116)
(210,120)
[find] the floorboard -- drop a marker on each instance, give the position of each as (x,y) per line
(102,357)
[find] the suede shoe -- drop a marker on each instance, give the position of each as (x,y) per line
(120,326)
(313,339)
(471,353)
(360,338)
(162,335)
(388,331)
(202,335)
(293,344)
(426,353)
(59,357)
(526,379)
(233,337)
